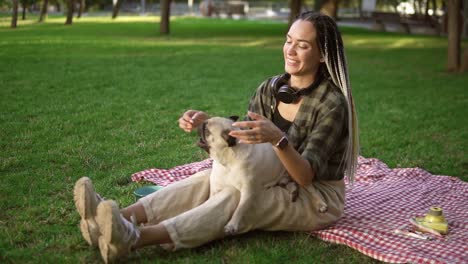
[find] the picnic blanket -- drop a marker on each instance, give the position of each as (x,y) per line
(380,201)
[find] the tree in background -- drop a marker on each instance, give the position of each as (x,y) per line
(295,7)
(82,8)
(453,34)
(58,4)
(116,8)
(43,15)
(70,11)
(165,17)
(45,7)
(430,3)
(14,17)
(96,4)
(329,8)
(25,4)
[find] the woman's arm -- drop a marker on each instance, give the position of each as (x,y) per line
(298,168)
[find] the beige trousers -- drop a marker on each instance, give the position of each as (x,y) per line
(193,218)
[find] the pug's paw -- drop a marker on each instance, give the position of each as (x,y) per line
(230,229)
(322,208)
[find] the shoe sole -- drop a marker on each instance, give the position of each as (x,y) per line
(104,249)
(106,222)
(82,201)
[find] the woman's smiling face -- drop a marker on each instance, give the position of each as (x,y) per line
(301,53)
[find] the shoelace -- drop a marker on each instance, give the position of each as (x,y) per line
(99,197)
(131,233)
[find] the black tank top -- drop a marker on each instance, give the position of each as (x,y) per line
(280,122)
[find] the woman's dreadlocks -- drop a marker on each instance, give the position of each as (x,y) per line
(332,50)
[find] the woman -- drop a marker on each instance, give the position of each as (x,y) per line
(307,114)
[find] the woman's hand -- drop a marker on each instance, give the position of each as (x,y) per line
(191,119)
(260,130)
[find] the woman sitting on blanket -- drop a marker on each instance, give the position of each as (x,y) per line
(313,129)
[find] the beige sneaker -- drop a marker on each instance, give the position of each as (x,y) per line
(86,203)
(118,235)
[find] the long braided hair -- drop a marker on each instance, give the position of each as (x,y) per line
(332,51)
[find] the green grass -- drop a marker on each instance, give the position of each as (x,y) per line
(102,98)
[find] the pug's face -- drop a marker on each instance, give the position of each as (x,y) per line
(214,134)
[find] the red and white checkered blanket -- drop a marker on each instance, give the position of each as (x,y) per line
(380,201)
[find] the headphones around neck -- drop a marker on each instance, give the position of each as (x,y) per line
(288,94)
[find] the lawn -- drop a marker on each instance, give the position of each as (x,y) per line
(102,98)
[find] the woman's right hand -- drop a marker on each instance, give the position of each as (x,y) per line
(191,119)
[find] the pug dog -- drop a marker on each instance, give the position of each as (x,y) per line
(247,167)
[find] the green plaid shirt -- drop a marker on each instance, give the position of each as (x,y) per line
(319,131)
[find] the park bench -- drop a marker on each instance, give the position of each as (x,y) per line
(224,8)
(403,23)
(236,8)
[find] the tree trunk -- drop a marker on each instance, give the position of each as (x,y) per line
(415,7)
(361,13)
(426,11)
(295,7)
(464,63)
(453,56)
(23,15)
(82,7)
(419,11)
(317,4)
(330,8)
(434,14)
(165,17)
(14,17)
(116,8)
(70,11)
(45,6)
(465,20)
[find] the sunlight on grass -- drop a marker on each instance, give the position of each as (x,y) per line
(392,42)
(5,21)
(151,42)
(405,42)
(384,42)
(234,41)
(216,41)
(78,33)
(130,19)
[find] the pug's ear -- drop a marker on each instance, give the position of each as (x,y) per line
(231,141)
(234,118)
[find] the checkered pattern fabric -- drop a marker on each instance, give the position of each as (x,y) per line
(164,177)
(380,201)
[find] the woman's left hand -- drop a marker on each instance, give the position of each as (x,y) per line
(260,130)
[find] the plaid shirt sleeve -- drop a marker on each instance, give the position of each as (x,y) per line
(263,101)
(325,144)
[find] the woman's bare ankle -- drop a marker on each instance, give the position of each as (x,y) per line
(153,235)
(137,210)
